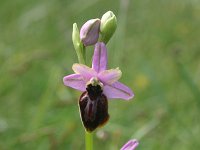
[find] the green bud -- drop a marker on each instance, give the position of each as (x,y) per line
(78,45)
(108,26)
(75,37)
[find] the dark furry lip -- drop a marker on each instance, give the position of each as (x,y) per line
(93,106)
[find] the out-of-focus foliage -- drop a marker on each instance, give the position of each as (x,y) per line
(156,45)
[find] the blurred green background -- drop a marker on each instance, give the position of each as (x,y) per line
(156,46)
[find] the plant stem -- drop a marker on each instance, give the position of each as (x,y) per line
(88,136)
(84,55)
(88,141)
(81,53)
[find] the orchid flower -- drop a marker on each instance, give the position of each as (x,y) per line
(97,84)
(130,145)
(109,78)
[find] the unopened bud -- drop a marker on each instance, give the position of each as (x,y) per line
(108,26)
(89,33)
(75,37)
(78,45)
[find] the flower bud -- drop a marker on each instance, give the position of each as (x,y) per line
(89,33)
(78,45)
(75,37)
(108,26)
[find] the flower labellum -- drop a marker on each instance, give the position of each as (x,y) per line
(108,26)
(89,32)
(93,106)
(130,145)
(97,84)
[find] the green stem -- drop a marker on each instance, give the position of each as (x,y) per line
(81,53)
(88,136)
(88,141)
(84,54)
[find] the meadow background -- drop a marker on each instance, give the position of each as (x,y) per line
(156,45)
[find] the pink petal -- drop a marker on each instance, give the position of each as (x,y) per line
(118,90)
(84,71)
(110,76)
(99,62)
(75,81)
(130,145)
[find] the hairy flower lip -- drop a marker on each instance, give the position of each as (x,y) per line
(111,87)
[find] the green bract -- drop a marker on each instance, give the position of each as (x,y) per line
(78,45)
